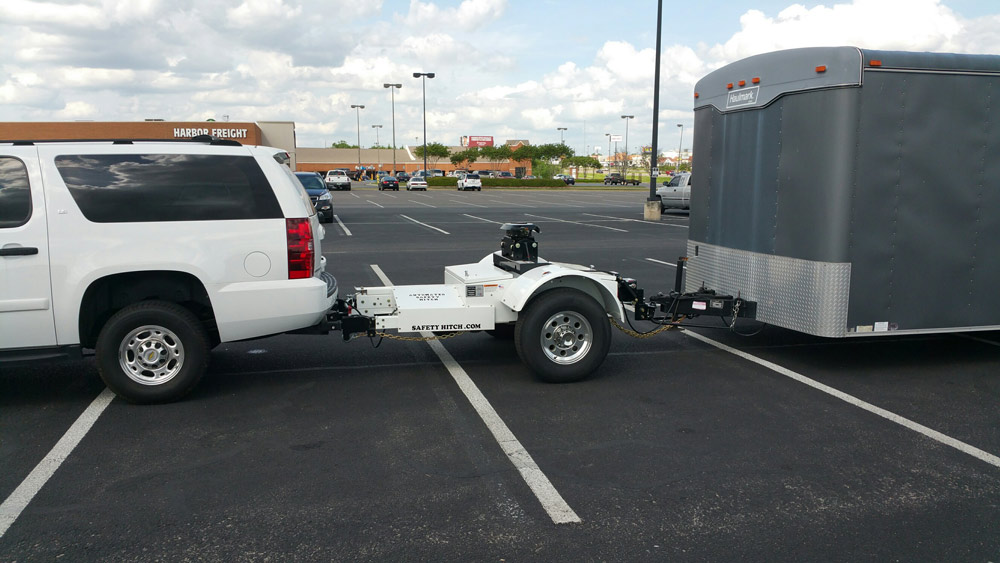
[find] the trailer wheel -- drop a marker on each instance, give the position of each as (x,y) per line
(563,335)
(152,352)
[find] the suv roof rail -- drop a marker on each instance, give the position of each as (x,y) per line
(197,139)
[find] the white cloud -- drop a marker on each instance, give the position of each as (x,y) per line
(469,14)
(253,13)
(77,110)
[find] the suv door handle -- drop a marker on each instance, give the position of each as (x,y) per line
(18,251)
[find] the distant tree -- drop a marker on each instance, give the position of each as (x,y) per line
(467,156)
(342,144)
(435,152)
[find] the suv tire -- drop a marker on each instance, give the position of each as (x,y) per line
(152,352)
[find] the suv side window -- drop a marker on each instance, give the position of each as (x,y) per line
(125,188)
(15,198)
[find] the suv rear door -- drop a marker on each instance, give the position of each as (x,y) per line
(26,317)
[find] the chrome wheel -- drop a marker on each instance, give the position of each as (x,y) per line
(566,337)
(151,355)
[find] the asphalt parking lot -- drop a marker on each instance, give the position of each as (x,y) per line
(693,445)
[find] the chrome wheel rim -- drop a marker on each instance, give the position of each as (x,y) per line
(566,337)
(151,355)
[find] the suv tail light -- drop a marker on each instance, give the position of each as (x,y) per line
(301,249)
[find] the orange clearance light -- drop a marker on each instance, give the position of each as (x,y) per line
(696,95)
(743,83)
(821,68)
(729,86)
(875,62)
(756,80)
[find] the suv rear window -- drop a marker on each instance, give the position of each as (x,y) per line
(126,188)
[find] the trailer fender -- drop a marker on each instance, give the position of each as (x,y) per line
(599,285)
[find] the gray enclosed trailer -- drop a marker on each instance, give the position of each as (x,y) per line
(851,192)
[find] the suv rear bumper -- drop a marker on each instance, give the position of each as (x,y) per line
(263,308)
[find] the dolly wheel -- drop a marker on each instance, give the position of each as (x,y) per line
(563,335)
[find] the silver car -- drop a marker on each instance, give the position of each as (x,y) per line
(676,192)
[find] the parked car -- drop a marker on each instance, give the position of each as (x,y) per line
(402,176)
(319,195)
(388,183)
(503,174)
(530,177)
(155,253)
(676,192)
(338,180)
(470,182)
(417,183)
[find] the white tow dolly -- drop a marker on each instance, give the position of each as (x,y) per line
(559,315)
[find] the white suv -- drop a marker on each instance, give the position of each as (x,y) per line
(470,182)
(152,253)
(338,180)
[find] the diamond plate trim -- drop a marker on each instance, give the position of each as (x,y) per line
(802,295)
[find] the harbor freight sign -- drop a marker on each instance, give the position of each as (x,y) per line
(742,98)
(475,141)
(222,133)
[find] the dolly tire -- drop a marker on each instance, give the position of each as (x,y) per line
(563,335)
(152,352)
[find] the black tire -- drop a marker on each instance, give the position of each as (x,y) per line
(175,340)
(575,328)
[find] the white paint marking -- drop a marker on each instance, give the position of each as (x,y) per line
(424,204)
(852,400)
(373,203)
(389,195)
(343,226)
(481,219)
(553,503)
(577,223)
(639,221)
(552,203)
(661,262)
(511,203)
(22,495)
(356,195)
(468,203)
(424,224)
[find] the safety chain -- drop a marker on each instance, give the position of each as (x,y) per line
(417,338)
(635,334)
(736,313)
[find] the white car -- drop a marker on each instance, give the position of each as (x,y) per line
(338,180)
(151,254)
(417,183)
(470,182)
(676,192)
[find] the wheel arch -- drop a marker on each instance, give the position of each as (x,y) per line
(109,294)
(585,284)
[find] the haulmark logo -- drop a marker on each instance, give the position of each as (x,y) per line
(747,97)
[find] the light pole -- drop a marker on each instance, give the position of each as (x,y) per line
(358,109)
(625,163)
(423,76)
(378,151)
(677,165)
(561,129)
(608,157)
(392,96)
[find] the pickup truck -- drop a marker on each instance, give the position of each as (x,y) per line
(616,178)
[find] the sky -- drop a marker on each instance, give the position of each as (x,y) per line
(510,69)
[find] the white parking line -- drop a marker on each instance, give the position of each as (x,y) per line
(512,203)
(422,203)
(373,203)
(389,195)
(553,203)
(639,221)
(356,195)
(469,203)
(22,495)
(577,223)
(852,400)
(342,226)
(424,224)
(481,219)
(661,262)
(553,503)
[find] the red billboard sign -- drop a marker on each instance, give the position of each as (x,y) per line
(475,141)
